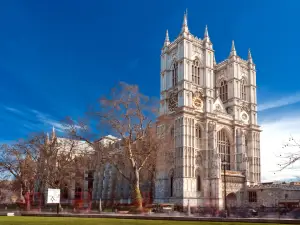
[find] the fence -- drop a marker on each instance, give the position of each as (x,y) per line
(83,202)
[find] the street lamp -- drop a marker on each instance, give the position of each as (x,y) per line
(224,175)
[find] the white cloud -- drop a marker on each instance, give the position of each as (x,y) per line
(273,137)
(14,110)
(35,118)
(48,120)
(289,100)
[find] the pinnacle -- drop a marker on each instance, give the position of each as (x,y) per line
(233,46)
(167,39)
(185,23)
(233,51)
(167,36)
(206,32)
(250,56)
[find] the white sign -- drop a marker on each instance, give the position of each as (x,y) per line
(53,196)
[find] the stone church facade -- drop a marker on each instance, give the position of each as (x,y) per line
(213,107)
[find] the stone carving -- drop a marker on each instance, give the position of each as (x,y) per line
(198,93)
(173,101)
(199,158)
(217,92)
(243,70)
(229,110)
(211,125)
(197,49)
(245,106)
(218,108)
(215,165)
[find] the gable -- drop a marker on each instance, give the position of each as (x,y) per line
(218,106)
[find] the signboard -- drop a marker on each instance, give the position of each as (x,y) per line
(53,196)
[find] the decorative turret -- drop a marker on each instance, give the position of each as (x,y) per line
(185,28)
(167,40)
(233,51)
(250,60)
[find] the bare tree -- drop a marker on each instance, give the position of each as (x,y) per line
(5,188)
(16,162)
(41,162)
(129,115)
(292,154)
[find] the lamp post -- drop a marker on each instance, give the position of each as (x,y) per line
(224,175)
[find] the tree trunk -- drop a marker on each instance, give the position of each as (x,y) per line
(27,201)
(137,196)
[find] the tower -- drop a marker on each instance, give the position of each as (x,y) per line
(213,125)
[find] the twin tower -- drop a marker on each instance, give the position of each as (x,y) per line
(214,131)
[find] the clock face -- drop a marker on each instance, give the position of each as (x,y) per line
(197,102)
(244,117)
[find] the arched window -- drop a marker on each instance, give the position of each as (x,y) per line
(196,72)
(172,133)
(198,183)
(198,136)
(224,148)
(175,74)
(171,186)
(246,143)
(224,91)
(243,89)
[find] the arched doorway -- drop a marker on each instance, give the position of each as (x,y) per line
(231,200)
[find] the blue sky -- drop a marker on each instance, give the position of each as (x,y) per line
(58,57)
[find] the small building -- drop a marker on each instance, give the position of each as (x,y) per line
(274,194)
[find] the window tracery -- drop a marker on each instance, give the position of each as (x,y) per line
(224,148)
(196,72)
(175,74)
(224,91)
(198,135)
(243,89)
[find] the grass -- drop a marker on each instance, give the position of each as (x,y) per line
(18,220)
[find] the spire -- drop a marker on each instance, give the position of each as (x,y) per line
(53,133)
(167,39)
(233,51)
(185,28)
(206,33)
(250,60)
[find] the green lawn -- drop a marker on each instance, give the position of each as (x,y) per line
(98,221)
